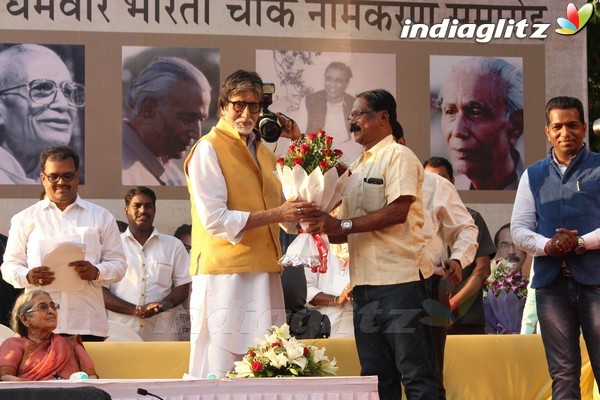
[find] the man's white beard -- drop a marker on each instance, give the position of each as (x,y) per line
(242,128)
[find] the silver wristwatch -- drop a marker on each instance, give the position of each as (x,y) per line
(346,224)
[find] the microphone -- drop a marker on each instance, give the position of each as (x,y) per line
(144,392)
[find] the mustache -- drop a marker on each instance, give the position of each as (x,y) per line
(514,258)
(355,128)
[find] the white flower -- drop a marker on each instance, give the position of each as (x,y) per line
(284,331)
(277,360)
(329,368)
(243,369)
(319,354)
(280,354)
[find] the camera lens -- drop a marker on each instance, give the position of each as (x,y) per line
(269,129)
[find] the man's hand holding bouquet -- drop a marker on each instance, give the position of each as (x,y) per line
(312,171)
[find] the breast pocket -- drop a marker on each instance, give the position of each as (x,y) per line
(164,274)
(90,236)
(373,198)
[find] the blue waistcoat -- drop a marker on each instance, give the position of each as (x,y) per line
(567,201)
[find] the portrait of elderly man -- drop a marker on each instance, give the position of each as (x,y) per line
(481,121)
(168,101)
(39,107)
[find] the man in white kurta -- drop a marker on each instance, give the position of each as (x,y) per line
(157,278)
(236,207)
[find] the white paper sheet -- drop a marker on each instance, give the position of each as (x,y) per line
(58,259)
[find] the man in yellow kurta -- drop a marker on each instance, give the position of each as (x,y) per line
(236,208)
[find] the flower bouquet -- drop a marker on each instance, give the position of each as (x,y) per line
(311,170)
(505,293)
(280,354)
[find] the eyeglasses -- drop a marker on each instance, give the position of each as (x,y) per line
(44,307)
(505,245)
(240,106)
(359,114)
(67,177)
(44,91)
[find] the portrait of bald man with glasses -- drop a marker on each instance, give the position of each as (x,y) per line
(39,107)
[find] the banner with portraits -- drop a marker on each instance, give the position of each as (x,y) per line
(92,72)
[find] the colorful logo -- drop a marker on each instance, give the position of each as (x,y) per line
(576,19)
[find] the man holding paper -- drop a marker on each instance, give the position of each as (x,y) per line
(81,241)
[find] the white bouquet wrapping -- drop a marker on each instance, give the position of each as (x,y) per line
(325,189)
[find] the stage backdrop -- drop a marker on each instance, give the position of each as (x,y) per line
(391,44)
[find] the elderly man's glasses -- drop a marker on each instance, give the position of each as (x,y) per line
(359,114)
(43,91)
(67,177)
(506,245)
(44,307)
(240,106)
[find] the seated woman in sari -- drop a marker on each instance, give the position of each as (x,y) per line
(38,354)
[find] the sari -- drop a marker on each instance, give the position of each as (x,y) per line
(30,361)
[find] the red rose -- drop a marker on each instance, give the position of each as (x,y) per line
(304,148)
(305,351)
(311,137)
(256,366)
(323,165)
(320,133)
(326,151)
(292,148)
(338,152)
(328,140)
(298,161)
(281,161)
(276,344)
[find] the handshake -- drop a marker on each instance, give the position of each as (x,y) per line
(564,242)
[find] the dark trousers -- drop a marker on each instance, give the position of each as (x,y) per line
(565,309)
(440,296)
(392,342)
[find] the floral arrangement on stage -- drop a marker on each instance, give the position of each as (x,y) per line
(280,354)
(311,170)
(505,293)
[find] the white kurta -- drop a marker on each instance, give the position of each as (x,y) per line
(153,271)
(230,311)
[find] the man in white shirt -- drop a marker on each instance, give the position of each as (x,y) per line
(62,216)
(157,278)
(451,242)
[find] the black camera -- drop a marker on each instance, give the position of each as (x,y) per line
(268,124)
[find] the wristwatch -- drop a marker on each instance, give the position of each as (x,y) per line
(346,224)
(580,249)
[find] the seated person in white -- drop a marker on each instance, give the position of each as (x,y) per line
(330,292)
